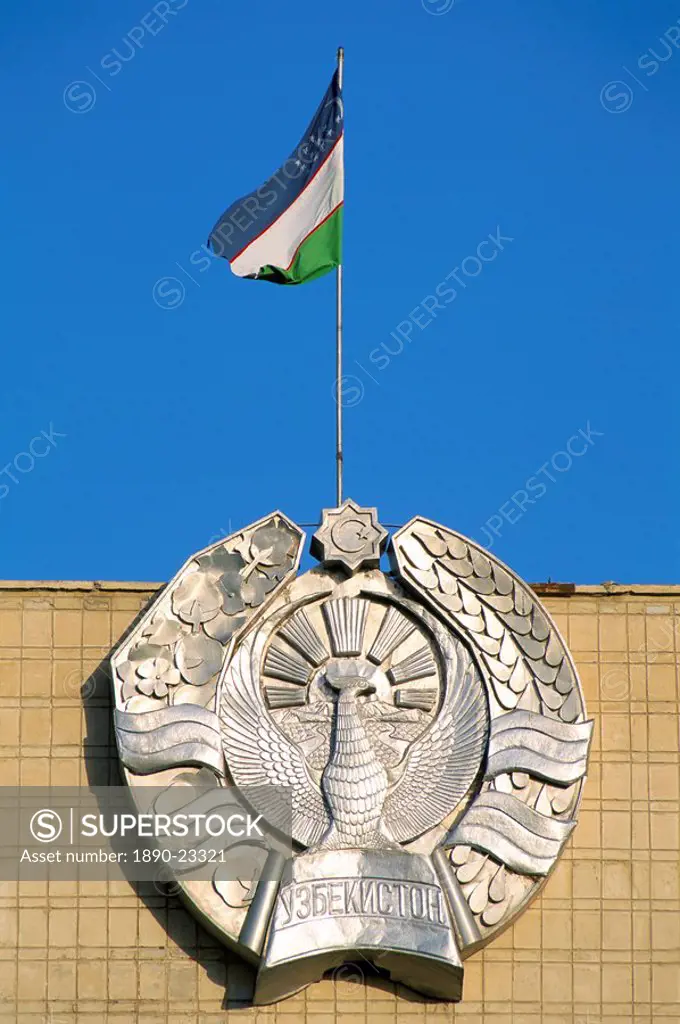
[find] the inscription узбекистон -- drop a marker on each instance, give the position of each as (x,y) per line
(351,897)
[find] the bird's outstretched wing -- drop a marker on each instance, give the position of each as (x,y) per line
(441,765)
(390,729)
(311,728)
(263,760)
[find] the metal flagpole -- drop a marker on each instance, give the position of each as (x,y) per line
(338,339)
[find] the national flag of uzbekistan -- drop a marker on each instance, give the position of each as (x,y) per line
(289,231)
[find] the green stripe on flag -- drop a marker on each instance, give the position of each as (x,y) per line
(320,253)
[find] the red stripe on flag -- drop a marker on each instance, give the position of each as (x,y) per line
(269,226)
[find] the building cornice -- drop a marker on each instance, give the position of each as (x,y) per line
(542,589)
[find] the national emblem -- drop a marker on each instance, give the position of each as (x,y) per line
(427,724)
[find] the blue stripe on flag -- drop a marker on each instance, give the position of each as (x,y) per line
(250,216)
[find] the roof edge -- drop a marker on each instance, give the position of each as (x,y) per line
(542,589)
(89,585)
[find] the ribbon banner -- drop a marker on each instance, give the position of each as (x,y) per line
(523,839)
(544,747)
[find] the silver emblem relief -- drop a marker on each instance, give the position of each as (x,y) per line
(350,537)
(427,722)
(525,810)
(166,672)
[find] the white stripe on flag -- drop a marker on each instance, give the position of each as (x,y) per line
(277,246)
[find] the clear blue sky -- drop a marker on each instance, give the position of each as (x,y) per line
(182,421)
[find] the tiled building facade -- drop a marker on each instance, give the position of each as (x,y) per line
(601,944)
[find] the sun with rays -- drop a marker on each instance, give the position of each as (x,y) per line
(388,648)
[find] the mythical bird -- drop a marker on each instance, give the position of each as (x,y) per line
(358,802)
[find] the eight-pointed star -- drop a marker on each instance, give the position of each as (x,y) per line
(349,536)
